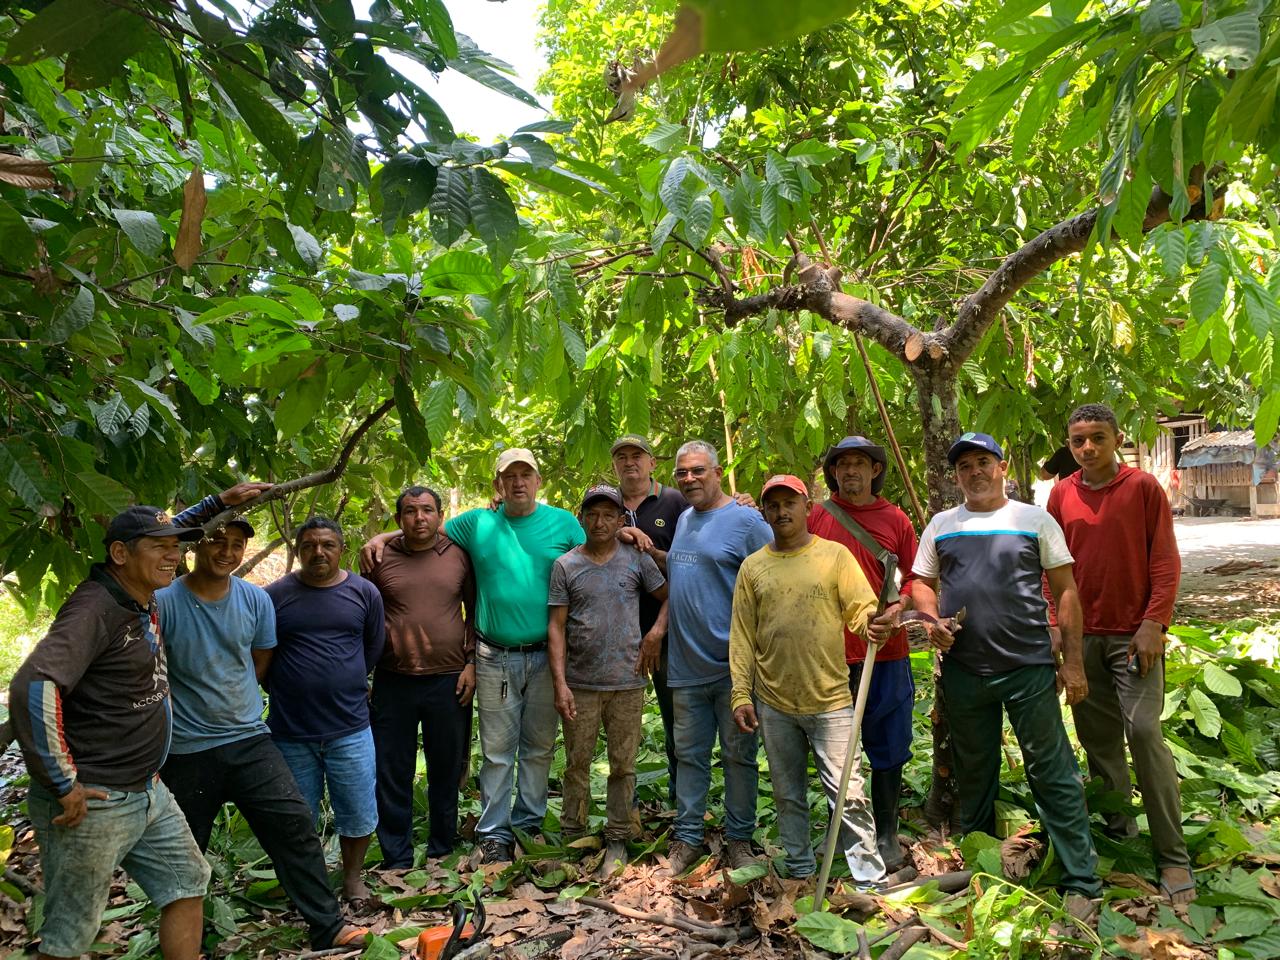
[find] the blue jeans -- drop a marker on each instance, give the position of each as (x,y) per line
(701,711)
(788,738)
(518,722)
(143,831)
(347,766)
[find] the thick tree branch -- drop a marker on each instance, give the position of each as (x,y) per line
(818,291)
(246,567)
(327,475)
(980,309)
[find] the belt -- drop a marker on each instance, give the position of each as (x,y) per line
(518,648)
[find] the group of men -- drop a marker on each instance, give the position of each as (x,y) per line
(140,714)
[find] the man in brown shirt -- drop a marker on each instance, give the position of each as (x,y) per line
(426,677)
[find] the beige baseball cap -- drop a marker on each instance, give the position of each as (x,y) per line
(515,455)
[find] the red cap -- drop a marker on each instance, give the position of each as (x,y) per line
(785,480)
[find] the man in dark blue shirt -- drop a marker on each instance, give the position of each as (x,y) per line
(330,633)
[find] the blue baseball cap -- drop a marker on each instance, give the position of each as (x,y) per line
(862,445)
(974,441)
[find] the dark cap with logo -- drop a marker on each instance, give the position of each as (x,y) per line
(243,525)
(631,440)
(143,521)
(974,441)
(602,491)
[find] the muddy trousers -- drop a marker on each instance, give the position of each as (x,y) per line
(975,705)
(1120,702)
(619,712)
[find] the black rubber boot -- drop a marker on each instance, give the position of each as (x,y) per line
(886,794)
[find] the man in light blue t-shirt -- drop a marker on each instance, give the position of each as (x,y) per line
(711,541)
(219,633)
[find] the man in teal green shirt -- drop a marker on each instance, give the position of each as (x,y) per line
(512,551)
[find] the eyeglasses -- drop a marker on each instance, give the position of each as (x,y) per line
(696,472)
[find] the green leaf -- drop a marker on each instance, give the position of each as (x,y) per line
(676,196)
(460,271)
(541,154)
(143,230)
(494,215)
(812,152)
(698,222)
(25,476)
(725,28)
(1207,291)
(662,231)
(97,495)
(57,29)
(407,183)
(983,117)
(17,242)
(1011,12)
(1220,345)
(1238,747)
(548,126)
(111,415)
(744,875)
(1205,712)
(1265,947)
(380,948)
(1171,243)
(1220,682)
(438,410)
(436,21)
(261,116)
(702,353)
(412,424)
(782,174)
(450,206)
(573,345)
(1267,418)
(1160,16)
(665,136)
(307,246)
(203,387)
(468,64)
(1234,40)
(301,402)
(74,315)
(829,932)
(116,37)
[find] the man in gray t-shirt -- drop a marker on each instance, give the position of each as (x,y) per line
(599,662)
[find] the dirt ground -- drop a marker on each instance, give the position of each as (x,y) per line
(1230,567)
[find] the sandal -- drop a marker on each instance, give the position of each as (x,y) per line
(350,935)
(1168,892)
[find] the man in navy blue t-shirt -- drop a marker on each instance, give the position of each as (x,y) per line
(330,633)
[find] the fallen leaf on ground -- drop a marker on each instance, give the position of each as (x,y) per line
(1151,944)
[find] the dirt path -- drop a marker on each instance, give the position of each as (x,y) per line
(1249,553)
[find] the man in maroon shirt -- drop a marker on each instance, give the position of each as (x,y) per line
(426,677)
(854,469)
(1119,528)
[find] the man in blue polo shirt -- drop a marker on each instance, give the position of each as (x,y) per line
(710,544)
(989,556)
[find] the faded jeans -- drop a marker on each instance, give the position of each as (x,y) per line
(1125,707)
(701,712)
(788,740)
(517,738)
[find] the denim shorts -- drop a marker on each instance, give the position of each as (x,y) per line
(348,768)
(143,831)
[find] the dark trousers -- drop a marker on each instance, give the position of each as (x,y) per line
(253,775)
(400,705)
(668,710)
(1030,696)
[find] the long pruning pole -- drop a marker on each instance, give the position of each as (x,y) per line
(853,752)
(921,516)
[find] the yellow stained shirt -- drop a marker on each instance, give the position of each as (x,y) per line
(787,636)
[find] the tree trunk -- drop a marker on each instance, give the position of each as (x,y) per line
(936,396)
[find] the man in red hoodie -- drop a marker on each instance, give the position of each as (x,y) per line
(854,469)
(1119,528)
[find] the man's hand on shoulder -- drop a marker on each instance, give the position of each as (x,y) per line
(75,805)
(745,500)
(234,496)
(371,552)
(637,538)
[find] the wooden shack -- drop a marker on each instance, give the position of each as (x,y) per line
(1225,472)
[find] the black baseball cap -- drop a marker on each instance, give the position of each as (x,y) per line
(144,521)
(602,491)
(244,526)
(974,441)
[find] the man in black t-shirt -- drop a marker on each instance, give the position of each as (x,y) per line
(653,509)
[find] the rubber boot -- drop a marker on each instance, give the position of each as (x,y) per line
(886,793)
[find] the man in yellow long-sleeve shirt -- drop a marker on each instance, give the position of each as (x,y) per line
(791,604)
